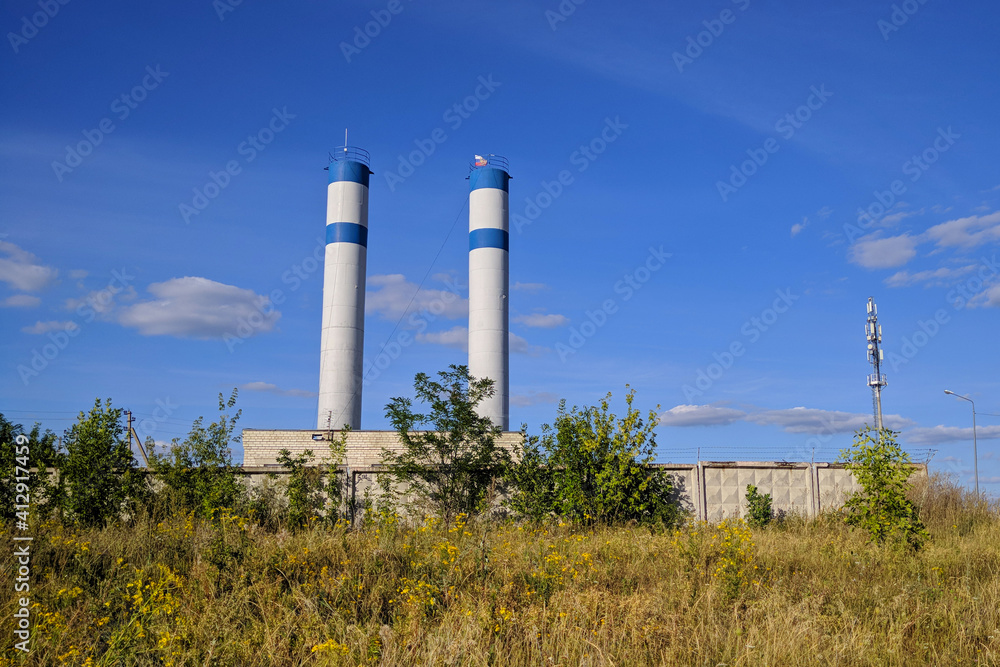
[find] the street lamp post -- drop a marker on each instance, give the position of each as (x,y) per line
(975,452)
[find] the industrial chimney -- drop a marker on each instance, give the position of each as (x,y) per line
(342,347)
(489,281)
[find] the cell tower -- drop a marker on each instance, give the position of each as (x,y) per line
(873,332)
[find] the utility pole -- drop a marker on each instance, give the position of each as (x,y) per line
(873,332)
(138,443)
(975,445)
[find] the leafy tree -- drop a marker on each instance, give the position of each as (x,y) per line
(100,474)
(304,488)
(759,511)
(532,480)
(592,466)
(200,469)
(41,453)
(881,507)
(314,487)
(449,456)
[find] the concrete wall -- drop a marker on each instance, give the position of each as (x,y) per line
(364,448)
(715,490)
(711,490)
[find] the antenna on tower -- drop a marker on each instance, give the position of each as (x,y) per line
(345,137)
(873,332)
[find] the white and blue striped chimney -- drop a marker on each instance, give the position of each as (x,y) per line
(489,283)
(343,338)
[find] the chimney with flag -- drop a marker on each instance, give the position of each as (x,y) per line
(489,283)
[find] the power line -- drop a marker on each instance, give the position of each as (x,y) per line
(406,310)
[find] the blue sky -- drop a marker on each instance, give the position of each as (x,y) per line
(682,173)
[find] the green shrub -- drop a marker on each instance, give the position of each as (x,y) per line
(199,471)
(593,467)
(882,508)
(449,459)
(28,449)
(99,473)
(309,495)
(759,511)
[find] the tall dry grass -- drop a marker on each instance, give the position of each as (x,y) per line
(186,592)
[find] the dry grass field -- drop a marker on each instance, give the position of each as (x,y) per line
(182,591)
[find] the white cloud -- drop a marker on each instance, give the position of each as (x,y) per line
(791,420)
(102,301)
(939,434)
(21,270)
(935,278)
(822,214)
(269,388)
(20,301)
(397,297)
(52,325)
(456,337)
(529,287)
(989,298)
(700,415)
(814,420)
(892,218)
(542,320)
(193,307)
(967,232)
(534,398)
(519,345)
(873,252)
(78,274)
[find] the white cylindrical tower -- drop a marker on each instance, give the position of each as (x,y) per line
(343,339)
(489,281)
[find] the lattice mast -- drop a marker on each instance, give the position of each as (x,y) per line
(876,380)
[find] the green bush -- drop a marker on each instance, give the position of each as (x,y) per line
(38,451)
(450,459)
(199,471)
(882,508)
(313,489)
(99,474)
(304,487)
(593,467)
(759,511)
